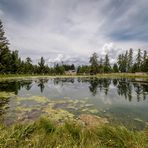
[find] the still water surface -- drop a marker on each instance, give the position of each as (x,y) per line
(121,101)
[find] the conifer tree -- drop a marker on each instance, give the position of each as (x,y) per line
(94,63)
(5,54)
(130,60)
(115,68)
(107,67)
(139,60)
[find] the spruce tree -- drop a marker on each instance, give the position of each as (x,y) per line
(139,60)
(3,40)
(125,61)
(145,62)
(145,55)
(130,60)
(107,67)
(41,65)
(5,54)
(15,62)
(28,65)
(122,63)
(94,63)
(115,68)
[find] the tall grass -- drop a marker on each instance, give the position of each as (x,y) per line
(45,133)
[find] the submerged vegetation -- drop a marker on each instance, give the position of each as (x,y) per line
(60,128)
(47,133)
(28,99)
(5,95)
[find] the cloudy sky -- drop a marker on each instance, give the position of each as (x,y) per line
(71,30)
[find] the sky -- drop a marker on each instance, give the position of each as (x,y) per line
(71,30)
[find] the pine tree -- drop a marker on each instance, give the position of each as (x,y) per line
(115,68)
(125,61)
(145,62)
(3,40)
(122,63)
(94,63)
(15,62)
(41,65)
(101,66)
(139,60)
(107,67)
(5,54)
(130,60)
(146,65)
(145,55)
(28,66)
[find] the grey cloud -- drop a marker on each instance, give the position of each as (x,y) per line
(67,59)
(76,28)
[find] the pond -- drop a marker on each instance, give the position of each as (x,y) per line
(119,101)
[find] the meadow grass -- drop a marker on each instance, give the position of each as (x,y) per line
(46,133)
(100,75)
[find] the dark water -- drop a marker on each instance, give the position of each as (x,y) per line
(121,101)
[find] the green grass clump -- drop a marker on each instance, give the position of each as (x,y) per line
(45,133)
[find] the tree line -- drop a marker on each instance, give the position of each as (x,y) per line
(11,63)
(126,63)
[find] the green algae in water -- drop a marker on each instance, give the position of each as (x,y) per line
(26,109)
(93,111)
(38,99)
(5,95)
(57,110)
(42,104)
(58,114)
(86,95)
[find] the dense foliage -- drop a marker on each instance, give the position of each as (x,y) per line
(11,63)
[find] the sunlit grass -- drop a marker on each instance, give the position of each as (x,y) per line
(46,133)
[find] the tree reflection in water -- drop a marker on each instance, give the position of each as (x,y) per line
(15,86)
(41,84)
(125,87)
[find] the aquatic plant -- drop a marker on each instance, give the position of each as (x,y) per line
(5,95)
(38,99)
(58,115)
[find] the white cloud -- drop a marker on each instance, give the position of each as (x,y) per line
(63,30)
(57,59)
(107,47)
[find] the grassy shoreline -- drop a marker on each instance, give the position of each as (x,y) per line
(110,75)
(46,133)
